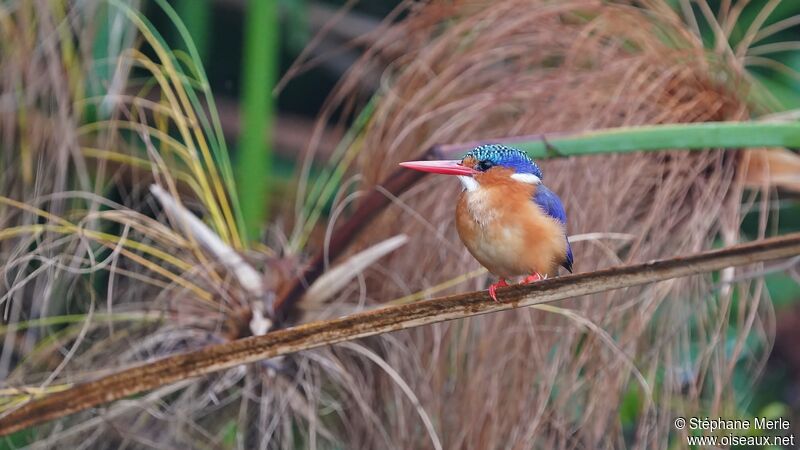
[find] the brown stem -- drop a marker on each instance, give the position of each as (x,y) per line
(316,334)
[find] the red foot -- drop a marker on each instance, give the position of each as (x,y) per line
(493,288)
(532,278)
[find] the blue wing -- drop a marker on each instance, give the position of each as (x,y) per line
(551,205)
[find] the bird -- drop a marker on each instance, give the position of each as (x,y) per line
(506,217)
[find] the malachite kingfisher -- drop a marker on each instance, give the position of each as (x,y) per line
(508,220)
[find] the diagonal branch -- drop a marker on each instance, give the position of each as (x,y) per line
(316,334)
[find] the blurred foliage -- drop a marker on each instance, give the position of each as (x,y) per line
(196,15)
(254,166)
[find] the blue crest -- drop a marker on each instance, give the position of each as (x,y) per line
(501,155)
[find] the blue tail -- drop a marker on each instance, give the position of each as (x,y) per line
(568,263)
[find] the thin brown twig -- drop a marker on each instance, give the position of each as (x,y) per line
(316,334)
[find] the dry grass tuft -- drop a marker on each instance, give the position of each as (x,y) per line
(95,276)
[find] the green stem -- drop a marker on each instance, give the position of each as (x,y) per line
(653,137)
(254,162)
(196,15)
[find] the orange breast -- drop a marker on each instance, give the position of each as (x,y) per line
(506,231)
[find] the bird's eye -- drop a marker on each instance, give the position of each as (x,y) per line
(485,165)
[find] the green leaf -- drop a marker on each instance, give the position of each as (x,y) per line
(694,136)
(774,410)
(254,162)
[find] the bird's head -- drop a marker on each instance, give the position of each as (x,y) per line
(484,163)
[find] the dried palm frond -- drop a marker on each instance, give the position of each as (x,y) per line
(93,277)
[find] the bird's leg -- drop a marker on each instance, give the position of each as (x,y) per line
(493,288)
(534,277)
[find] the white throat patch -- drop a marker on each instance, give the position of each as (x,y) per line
(469,183)
(527,178)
